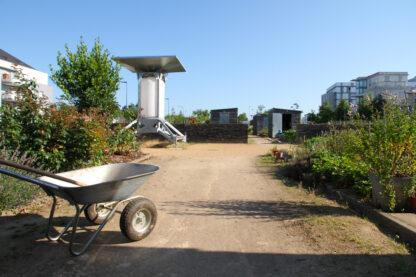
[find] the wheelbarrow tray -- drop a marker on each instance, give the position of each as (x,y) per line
(106,183)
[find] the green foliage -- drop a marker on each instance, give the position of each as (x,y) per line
(123,141)
(378,104)
(250,130)
(61,138)
(385,146)
(201,116)
(334,158)
(88,78)
(389,143)
(177,118)
(325,114)
(343,171)
(130,113)
(290,135)
(343,110)
(365,108)
(312,116)
(242,117)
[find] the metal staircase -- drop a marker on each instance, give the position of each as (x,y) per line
(162,127)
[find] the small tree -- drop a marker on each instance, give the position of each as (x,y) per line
(311,117)
(342,111)
(365,109)
(325,114)
(260,108)
(378,104)
(88,78)
(242,117)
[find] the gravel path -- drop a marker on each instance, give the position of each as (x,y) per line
(219,214)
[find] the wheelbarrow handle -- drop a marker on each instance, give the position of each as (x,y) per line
(41,172)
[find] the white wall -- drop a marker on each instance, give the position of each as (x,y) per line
(28,73)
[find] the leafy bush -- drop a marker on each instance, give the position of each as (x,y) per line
(343,171)
(61,138)
(289,135)
(389,147)
(123,141)
(334,158)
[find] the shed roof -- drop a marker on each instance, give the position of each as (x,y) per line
(276,110)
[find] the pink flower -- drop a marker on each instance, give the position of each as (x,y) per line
(86,117)
(106,150)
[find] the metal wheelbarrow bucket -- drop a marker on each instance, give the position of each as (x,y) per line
(108,187)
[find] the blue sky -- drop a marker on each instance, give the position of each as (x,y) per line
(236,53)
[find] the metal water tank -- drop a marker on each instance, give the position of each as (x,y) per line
(152,97)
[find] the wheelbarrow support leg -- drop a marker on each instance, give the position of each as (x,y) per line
(94,235)
(50,223)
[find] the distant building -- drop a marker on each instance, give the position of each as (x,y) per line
(412,83)
(383,83)
(224,116)
(9,82)
(338,91)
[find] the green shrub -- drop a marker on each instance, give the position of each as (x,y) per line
(389,147)
(123,141)
(342,171)
(289,135)
(61,137)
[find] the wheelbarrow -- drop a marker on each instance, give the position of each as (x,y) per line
(98,192)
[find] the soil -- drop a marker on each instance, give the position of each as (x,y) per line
(221,212)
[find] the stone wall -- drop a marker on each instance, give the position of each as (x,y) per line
(229,133)
(307,131)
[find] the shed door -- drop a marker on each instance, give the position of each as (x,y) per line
(277,123)
(224,118)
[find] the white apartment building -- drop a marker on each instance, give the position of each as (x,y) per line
(9,82)
(412,83)
(383,83)
(338,91)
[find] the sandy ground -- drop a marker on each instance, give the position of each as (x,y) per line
(219,214)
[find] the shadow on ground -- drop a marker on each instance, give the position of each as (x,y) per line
(266,210)
(129,261)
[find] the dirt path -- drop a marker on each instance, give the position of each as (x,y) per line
(219,215)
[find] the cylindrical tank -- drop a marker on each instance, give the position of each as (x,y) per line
(152,97)
(148,97)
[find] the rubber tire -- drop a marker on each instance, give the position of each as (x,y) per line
(127,218)
(93,216)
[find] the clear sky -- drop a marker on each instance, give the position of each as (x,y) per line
(236,53)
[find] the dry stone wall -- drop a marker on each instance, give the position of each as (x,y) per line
(225,133)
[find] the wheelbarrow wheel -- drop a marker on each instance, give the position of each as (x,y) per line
(96,213)
(138,219)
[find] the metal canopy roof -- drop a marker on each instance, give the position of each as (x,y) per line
(162,64)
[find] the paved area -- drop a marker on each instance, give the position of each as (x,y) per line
(219,215)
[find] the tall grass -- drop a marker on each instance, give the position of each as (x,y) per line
(15,193)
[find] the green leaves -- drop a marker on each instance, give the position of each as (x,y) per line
(88,78)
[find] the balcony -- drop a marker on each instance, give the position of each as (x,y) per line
(8,96)
(10,82)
